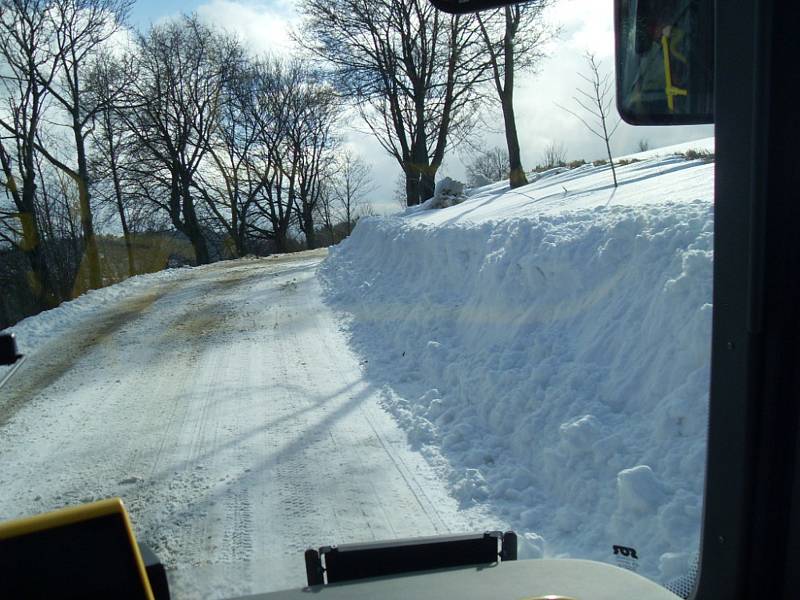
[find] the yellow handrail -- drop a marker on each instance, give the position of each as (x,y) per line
(670,90)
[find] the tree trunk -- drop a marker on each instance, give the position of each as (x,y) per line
(238,226)
(126,234)
(422,176)
(308,226)
(427,184)
(121,209)
(423,167)
(193,231)
(241,245)
(611,162)
(516,175)
(608,149)
(31,246)
(38,276)
(200,246)
(281,244)
(418,189)
(412,186)
(87,221)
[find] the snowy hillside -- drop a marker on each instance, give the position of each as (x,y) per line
(547,349)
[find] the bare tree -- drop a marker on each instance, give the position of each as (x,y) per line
(25,49)
(350,187)
(231,185)
(173,108)
(597,105)
(411,71)
(185,127)
(399,197)
(79,29)
(313,142)
(325,212)
(270,152)
(514,37)
(274,157)
(643,145)
(111,144)
(554,155)
(58,208)
(488,166)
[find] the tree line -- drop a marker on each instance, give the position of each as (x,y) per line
(421,79)
(177,128)
(181,129)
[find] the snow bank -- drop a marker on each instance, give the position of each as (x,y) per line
(35,331)
(547,349)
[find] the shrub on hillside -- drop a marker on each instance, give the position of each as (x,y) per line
(691,154)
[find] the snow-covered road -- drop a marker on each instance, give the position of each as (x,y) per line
(224,406)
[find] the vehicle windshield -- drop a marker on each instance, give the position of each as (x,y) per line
(307,272)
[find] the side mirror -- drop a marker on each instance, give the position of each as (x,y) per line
(471,6)
(665,61)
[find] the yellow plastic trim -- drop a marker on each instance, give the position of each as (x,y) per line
(670,89)
(77,514)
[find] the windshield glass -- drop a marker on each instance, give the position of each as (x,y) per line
(302,273)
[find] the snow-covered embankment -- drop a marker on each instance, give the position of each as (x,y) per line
(548,350)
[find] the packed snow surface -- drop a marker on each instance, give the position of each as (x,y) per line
(547,349)
(223,405)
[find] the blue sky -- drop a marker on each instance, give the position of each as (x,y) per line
(146,11)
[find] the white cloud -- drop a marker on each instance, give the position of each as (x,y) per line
(264,27)
(587,25)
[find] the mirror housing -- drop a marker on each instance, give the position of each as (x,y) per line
(665,61)
(457,7)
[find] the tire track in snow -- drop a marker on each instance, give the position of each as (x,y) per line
(205,319)
(38,373)
(424,503)
(235,423)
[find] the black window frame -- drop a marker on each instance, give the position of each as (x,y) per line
(750,542)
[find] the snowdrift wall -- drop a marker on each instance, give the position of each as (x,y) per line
(554,367)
